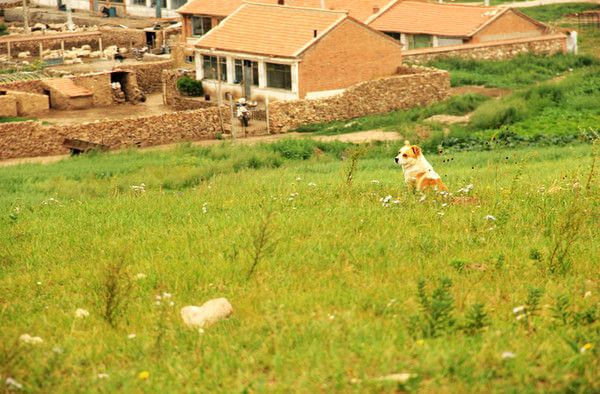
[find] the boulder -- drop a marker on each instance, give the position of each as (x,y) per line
(209,313)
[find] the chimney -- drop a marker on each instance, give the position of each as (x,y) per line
(323,4)
(315,33)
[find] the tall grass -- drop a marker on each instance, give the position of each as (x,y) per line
(329,307)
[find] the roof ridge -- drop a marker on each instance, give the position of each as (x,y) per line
(454,5)
(345,12)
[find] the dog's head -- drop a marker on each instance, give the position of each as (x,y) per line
(408,154)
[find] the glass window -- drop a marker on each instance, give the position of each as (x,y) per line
(419,41)
(139,2)
(252,75)
(209,65)
(279,76)
(176,4)
(163,3)
(201,25)
(239,71)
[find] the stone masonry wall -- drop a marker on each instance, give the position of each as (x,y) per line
(148,74)
(27,139)
(99,84)
(176,100)
(416,86)
(31,86)
(546,45)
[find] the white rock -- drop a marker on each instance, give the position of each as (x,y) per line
(209,313)
(396,377)
(26,338)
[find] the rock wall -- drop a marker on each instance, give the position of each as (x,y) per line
(546,45)
(174,99)
(48,41)
(148,74)
(8,106)
(28,139)
(31,86)
(415,86)
(29,104)
(99,84)
(123,37)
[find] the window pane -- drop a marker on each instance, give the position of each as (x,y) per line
(254,66)
(139,2)
(223,61)
(393,34)
(239,71)
(209,65)
(175,4)
(201,25)
(279,76)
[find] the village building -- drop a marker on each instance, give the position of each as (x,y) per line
(420,24)
(291,52)
(200,16)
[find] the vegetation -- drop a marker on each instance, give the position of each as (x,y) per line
(519,71)
(8,119)
(189,86)
(332,288)
(554,12)
(3,29)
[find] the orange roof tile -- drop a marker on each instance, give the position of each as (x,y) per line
(457,20)
(270,30)
(359,9)
(67,87)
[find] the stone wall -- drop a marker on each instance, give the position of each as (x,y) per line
(30,104)
(49,41)
(99,84)
(31,86)
(27,139)
(123,37)
(174,99)
(148,74)
(8,106)
(497,50)
(415,86)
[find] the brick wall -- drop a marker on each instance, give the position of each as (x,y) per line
(349,54)
(28,139)
(510,25)
(545,45)
(416,86)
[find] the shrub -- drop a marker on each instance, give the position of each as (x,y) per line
(188,86)
(495,114)
(3,29)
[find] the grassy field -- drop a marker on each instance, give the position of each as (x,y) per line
(347,287)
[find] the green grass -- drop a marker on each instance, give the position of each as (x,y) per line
(519,71)
(334,302)
(554,12)
(8,119)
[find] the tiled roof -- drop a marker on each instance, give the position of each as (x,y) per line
(359,9)
(270,30)
(67,87)
(457,20)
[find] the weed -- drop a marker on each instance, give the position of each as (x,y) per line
(353,156)
(560,311)
(262,241)
(437,309)
(476,319)
(115,292)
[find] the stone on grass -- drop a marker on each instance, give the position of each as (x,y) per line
(396,377)
(209,313)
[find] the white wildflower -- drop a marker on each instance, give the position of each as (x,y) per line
(331,316)
(38,283)
(140,276)
(518,309)
(519,317)
(10,382)
(102,375)
(141,188)
(507,355)
(585,348)
(298,178)
(158,298)
(312,184)
(587,294)
(440,213)
(444,205)
(396,377)
(205,207)
(131,336)
(467,189)
(157,302)
(423,198)
(375,181)
(166,295)
(490,217)
(57,349)
(81,313)
(26,338)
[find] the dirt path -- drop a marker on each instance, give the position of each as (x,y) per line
(484,91)
(153,106)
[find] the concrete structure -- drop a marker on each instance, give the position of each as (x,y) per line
(292,53)
(441,24)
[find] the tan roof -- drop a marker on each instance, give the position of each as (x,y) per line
(359,9)
(270,30)
(67,87)
(458,20)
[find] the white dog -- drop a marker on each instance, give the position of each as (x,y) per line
(418,173)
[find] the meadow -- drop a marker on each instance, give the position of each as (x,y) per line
(337,274)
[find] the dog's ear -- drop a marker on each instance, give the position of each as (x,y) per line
(416,150)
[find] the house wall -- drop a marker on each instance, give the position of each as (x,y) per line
(545,45)
(507,27)
(8,106)
(348,54)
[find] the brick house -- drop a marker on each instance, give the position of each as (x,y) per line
(291,52)
(441,24)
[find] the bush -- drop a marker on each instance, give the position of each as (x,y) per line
(495,114)
(3,29)
(189,86)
